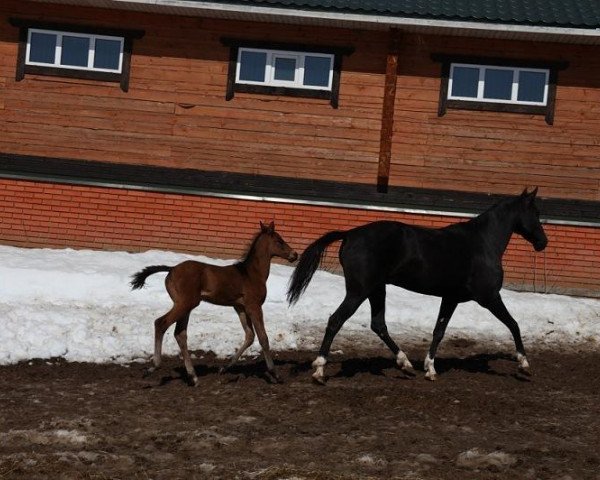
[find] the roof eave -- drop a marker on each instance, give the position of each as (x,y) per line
(349,20)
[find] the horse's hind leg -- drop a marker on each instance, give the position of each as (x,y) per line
(336,320)
(446,310)
(248,339)
(181,337)
(498,309)
(377,301)
(161,325)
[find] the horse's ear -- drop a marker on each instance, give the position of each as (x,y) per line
(534,192)
(270,228)
(524,192)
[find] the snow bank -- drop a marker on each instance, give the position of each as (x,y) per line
(77,304)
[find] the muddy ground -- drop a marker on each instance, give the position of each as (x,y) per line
(478,421)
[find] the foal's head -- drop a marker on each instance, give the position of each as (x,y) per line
(276,245)
(528,221)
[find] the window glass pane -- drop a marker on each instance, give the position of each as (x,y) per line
(316,71)
(107,53)
(498,84)
(285,69)
(531,86)
(42,47)
(464,82)
(75,51)
(252,66)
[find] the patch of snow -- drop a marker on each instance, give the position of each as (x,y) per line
(78,305)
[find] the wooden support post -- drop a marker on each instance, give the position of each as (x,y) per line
(387,113)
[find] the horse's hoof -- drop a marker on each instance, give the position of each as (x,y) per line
(431,376)
(195,382)
(408,369)
(525,371)
(148,371)
(318,380)
(272,375)
(222,370)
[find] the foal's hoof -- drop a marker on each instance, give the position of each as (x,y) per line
(274,377)
(318,379)
(148,371)
(222,370)
(431,376)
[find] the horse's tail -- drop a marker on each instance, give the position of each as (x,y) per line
(308,264)
(140,277)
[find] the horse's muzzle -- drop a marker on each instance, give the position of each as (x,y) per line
(293,257)
(540,245)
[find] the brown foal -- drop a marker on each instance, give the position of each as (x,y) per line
(241,286)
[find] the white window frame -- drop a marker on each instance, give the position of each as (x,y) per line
(299,74)
(515,84)
(58,50)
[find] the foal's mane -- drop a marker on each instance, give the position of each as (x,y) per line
(242,262)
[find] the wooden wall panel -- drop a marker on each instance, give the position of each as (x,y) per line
(175,113)
(493,151)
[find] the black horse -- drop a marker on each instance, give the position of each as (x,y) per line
(460,262)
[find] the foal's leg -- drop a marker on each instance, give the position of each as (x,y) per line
(377,301)
(446,310)
(181,337)
(336,320)
(161,325)
(247,340)
(256,317)
(498,309)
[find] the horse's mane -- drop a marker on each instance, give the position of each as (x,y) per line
(241,263)
(499,205)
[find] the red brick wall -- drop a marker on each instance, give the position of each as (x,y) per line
(34,214)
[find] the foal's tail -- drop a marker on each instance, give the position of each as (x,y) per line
(140,277)
(308,264)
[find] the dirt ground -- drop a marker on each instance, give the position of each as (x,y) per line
(478,421)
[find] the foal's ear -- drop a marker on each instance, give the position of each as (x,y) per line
(270,228)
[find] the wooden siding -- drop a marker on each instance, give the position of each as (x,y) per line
(494,151)
(175,113)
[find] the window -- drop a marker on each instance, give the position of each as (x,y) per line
(485,83)
(497,84)
(284,69)
(74,51)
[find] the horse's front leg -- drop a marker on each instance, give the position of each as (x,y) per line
(498,309)
(446,310)
(336,320)
(256,318)
(248,339)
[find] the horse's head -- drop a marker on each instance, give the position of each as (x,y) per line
(277,245)
(528,221)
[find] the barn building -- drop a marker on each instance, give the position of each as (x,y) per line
(179,124)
